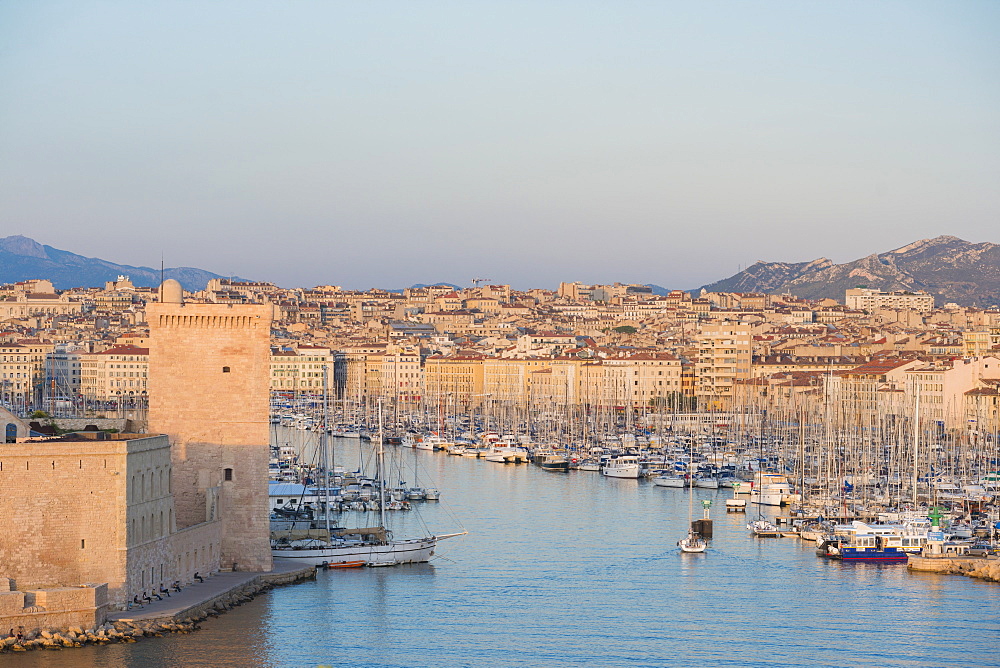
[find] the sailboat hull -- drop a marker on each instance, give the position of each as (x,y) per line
(410,551)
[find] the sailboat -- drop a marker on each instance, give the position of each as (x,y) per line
(375,546)
(693,542)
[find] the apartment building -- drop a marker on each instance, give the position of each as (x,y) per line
(456,379)
(977,343)
(941,388)
(865,299)
(301,369)
(117,373)
(724,356)
(394,375)
(20,374)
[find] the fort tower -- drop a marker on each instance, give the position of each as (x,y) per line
(209,393)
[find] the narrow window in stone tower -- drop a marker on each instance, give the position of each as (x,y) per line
(228,474)
(225,369)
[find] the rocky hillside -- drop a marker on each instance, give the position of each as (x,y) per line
(951,269)
(22,258)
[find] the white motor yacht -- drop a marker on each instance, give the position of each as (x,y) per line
(623,466)
(772,489)
(433,442)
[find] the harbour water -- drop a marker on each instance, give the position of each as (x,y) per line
(573,569)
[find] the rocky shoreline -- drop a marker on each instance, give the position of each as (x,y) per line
(125,631)
(974,567)
(105,634)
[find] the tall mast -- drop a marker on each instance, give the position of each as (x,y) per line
(381,468)
(916,436)
(802,454)
(325,448)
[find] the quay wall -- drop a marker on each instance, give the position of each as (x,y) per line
(221,601)
(984,568)
(243,593)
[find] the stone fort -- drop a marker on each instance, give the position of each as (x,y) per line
(94,520)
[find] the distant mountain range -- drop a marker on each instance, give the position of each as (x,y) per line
(951,269)
(22,259)
(947,267)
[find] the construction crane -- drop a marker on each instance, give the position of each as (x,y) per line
(477,281)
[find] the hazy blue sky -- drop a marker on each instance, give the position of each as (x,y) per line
(390,143)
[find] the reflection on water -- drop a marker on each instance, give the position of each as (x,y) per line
(575,570)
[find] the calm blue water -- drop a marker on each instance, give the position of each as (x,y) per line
(576,570)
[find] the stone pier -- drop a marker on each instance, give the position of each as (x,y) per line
(218,590)
(984,568)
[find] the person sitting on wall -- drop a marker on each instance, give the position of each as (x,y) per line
(145,598)
(136,601)
(176,585)
(164,590)
(198,577)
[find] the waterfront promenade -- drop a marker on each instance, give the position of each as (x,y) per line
(198,597)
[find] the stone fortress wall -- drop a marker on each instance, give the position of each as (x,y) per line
(132,513)
(95,508)
(66,506)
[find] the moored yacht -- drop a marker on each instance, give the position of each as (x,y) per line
(433,442)
(669,481)
(622,466)
(706,482)
(553,461)
(772,489)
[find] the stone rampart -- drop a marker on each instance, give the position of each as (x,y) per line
(64,504)
(79,424)
(85,606)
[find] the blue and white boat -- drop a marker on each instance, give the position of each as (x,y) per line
(869,548)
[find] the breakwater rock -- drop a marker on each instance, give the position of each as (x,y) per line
(130,630)
(104,634)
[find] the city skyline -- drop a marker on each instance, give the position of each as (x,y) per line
(388,145)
